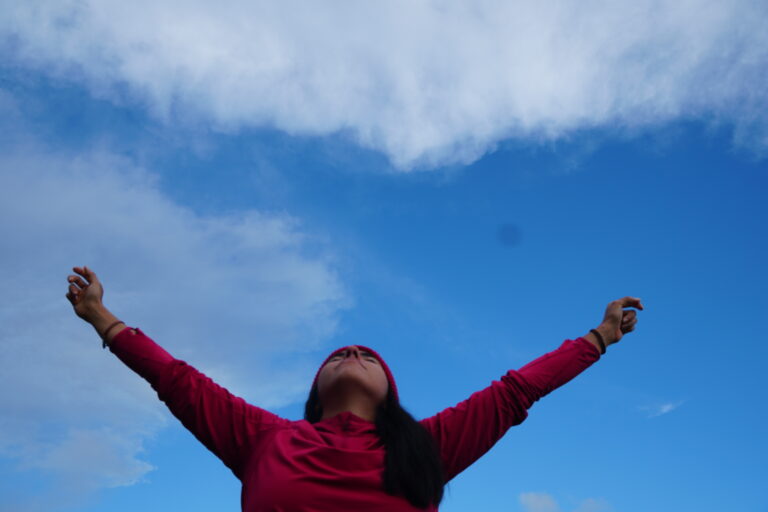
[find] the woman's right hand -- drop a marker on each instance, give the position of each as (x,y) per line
(85,293)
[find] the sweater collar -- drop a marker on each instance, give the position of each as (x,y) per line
(347,423)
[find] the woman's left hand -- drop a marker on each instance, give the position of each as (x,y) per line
(618,321)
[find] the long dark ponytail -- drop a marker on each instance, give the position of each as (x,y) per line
(412,466)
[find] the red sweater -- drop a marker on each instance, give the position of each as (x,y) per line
(335,464)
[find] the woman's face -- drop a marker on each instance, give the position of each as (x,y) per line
(351,368)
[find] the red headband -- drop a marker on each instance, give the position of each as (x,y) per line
(388,373)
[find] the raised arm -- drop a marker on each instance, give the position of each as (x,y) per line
(467,431)
(227,425)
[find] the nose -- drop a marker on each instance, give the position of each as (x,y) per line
(352,351)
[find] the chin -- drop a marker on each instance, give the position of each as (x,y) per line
(351,381)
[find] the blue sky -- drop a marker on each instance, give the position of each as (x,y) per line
(463,192)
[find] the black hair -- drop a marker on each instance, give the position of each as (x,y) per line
(412,466)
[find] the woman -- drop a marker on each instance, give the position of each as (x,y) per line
(357,449)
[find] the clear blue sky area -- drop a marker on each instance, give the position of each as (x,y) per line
(456,273)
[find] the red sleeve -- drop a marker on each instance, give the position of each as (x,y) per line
(227,425)
(467,431)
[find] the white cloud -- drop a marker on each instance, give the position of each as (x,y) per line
(76,456)
(425,82)
(538,502)
(543,502)
(662,408)
(229,294)
(594,505)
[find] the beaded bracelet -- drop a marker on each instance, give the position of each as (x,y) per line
(600,340)
(104,343)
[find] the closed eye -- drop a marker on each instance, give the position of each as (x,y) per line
(367,355)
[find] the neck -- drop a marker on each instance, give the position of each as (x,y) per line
(362,408)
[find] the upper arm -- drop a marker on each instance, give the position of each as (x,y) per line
(226,424)
(465,432)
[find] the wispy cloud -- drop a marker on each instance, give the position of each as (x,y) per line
(426,83)
(659,409)
(538,502)
(543,502)
(593,505)
(227,293)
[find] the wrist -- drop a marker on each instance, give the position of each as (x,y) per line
(106,325)
(596,339)
(600,337)
(100,318)
(109,332)
(608,333)
(95,314)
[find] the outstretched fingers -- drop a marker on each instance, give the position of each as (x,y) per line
(87,273)
(72,294)
(78,281)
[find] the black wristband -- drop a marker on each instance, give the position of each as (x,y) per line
(106,331)
(600,340)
